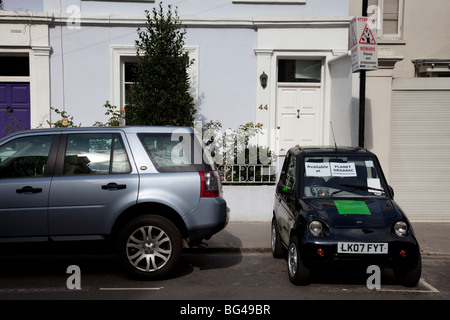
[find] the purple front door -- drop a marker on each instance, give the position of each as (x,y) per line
(14,107)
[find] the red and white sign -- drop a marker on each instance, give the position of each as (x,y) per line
(363,44)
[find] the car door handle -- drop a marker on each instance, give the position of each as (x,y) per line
(114,186)
(28,190)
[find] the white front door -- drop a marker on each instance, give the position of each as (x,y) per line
(298,115)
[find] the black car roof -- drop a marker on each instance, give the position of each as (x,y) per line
(328,150)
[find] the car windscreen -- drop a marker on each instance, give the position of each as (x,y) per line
(341,176)
(175,152)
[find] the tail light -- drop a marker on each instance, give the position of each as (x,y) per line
(210,184)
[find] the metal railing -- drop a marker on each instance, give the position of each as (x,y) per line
(248,173)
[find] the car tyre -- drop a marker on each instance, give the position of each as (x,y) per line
(276,245)
(149,247)
(409,277)
(298,273)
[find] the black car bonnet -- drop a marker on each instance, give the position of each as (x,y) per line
(364,213)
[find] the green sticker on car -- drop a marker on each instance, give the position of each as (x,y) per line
(351,207)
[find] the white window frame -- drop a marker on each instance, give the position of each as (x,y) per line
(121,54)
(377,13)
(123,61)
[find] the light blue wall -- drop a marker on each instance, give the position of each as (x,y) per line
(227,74)
(206,7)
(80,59)
(23,5)
(187,7)
(85,86)
(226,67)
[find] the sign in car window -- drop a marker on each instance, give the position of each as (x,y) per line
(327,169)
(314,169)
(343,169)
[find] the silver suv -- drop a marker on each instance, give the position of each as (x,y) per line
(143,188)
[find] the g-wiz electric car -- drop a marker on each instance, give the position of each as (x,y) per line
(334,206)
(143,188)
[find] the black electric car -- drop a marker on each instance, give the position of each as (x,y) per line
(332,207)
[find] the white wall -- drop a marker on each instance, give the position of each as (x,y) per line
(422,34)
(344,106)
(318,38)
(420,40)
(250,203)
(378,114)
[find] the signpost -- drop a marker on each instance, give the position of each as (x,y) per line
(362,80)
(363,44)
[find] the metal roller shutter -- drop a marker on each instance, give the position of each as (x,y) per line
(419,169)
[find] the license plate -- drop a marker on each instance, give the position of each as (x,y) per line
(362,247)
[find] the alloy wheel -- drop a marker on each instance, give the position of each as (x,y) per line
(148,248)
(292,260)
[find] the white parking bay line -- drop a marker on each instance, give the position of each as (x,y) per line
(131,289)
(429,286)
(431,289)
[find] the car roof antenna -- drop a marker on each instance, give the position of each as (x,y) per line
(334,138)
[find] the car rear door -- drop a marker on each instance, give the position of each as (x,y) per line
(26,165)
(95,180)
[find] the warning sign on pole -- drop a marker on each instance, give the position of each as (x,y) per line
(363,44)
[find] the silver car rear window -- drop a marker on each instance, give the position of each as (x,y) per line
(175,152)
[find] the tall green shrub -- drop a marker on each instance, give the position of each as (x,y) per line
(160,95)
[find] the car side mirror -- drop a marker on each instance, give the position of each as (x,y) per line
(285,190)
(391,190)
